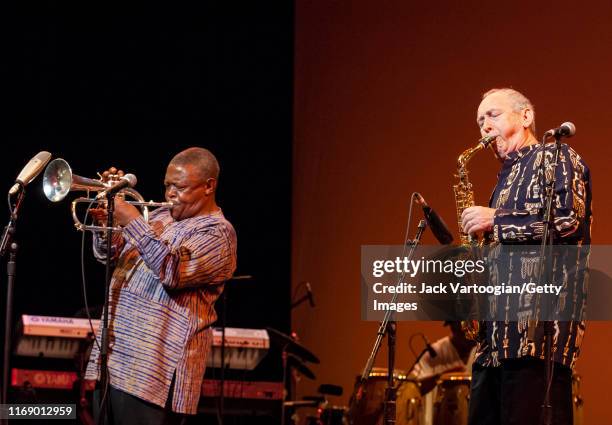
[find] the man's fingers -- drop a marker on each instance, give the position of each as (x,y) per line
(112,172)
(468,213)
(472,226)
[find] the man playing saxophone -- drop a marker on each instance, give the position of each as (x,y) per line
(508,381)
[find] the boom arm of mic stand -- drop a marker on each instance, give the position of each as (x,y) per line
(416,361)
(382,330)
(299,301)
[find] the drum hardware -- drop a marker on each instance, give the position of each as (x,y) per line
(326,414)
(295,363)
(333,415)
(290,348)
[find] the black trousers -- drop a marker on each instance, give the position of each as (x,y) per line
(125,409)
(513,393)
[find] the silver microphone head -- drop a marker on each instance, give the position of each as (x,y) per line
(131,179)
(567,129)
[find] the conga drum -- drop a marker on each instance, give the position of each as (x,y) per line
(452,398)
(409,404)
(369,409)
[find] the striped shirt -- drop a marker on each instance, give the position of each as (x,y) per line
(518,220)
(167,277)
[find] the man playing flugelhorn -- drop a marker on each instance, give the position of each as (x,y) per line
(168,274)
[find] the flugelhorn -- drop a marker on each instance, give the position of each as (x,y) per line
(59,180)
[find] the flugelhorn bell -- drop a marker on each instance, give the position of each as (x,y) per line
(59,180)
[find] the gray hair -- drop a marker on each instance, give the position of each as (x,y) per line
(519,102)
(203,160)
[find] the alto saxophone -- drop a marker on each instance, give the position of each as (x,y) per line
(464,198)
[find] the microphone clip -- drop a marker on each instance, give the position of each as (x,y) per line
(421,227)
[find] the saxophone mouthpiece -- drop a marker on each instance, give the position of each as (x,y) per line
(487,140)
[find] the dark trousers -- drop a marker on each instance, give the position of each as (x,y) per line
(125,409)
(514,392)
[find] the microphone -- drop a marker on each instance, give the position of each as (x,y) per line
(129,180)
(30,171)
(436,224)
(310,296)
(567,129)
(429,348)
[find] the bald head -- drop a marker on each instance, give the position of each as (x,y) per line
(201,159)
(518,100)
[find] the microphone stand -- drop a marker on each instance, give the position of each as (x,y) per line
(417,360)
(428,349)
(8,244)
(387,327)
(299,301)
(104,342)
(547,241)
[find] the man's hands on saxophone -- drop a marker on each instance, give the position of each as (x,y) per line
(477,219)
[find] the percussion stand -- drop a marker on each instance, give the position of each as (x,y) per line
(387,327)
(547,242)
(8,244)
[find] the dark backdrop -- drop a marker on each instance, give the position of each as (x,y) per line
(100,88)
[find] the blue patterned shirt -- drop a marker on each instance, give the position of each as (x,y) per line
(518,220)
(168,275)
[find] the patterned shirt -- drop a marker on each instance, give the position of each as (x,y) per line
(167,277)
(518,220)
